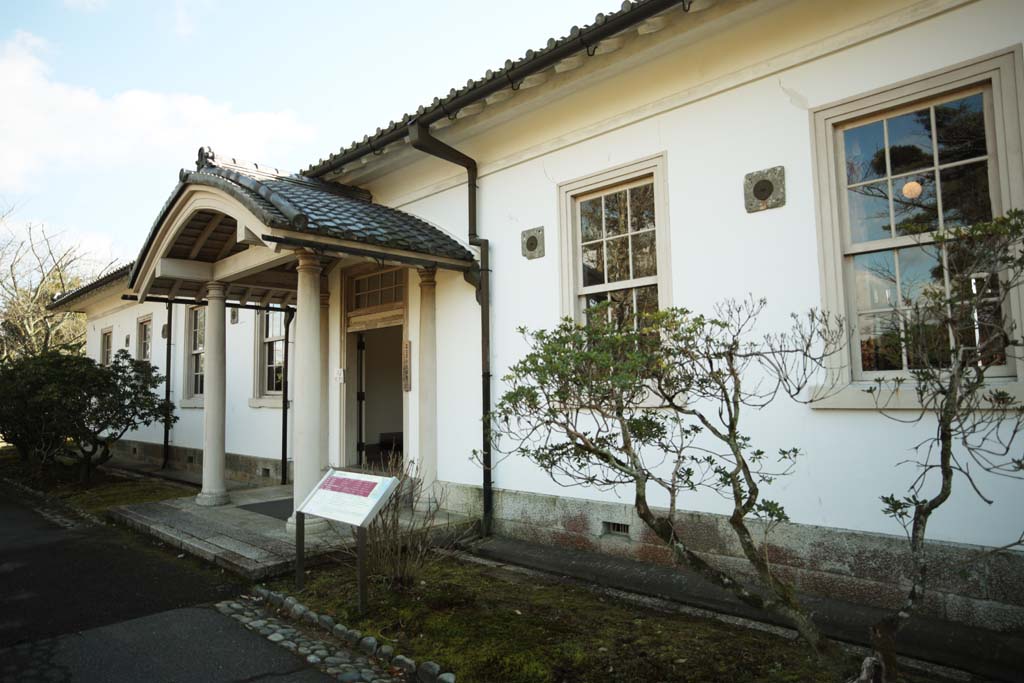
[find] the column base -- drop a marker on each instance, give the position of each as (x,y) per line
(314,525)
(213,499)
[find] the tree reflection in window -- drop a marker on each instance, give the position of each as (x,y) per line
(917,174)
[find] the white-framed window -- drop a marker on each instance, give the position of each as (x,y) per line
(896,166)
(195,362)
(106,346)
(270,325)
(615,237)
(144,338)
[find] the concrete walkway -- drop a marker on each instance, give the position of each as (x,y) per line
(247,536)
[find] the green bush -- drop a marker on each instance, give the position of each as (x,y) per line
(66,409)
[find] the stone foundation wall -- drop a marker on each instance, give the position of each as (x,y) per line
(265,471)
(966,584)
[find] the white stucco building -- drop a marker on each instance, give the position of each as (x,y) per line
(644,124)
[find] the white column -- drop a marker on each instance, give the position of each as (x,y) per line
(214,489)
(336,361)
(324,377)
(427,384)
(306,435)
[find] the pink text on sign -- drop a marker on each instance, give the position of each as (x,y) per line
(353,487)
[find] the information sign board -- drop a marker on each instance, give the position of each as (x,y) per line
(350,497)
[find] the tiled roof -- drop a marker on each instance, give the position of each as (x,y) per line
(513,71)
(100,282)
(308,205)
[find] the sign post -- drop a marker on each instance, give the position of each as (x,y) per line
(350,497)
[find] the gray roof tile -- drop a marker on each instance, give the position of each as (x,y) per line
(308,205)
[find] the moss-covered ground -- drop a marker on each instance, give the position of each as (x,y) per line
(103,490)
(491,625)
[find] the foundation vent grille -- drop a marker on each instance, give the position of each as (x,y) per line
(616,528)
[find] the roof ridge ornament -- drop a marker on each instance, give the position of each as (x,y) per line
(205,158)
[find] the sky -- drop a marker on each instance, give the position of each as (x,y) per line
(103,101)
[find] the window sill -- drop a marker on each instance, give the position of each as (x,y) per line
(855,397)
(191,402)
(265,402)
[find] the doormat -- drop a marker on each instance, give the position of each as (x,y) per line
(278,509)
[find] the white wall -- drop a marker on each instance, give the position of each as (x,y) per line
(250,431)
(717,249)
(730,103)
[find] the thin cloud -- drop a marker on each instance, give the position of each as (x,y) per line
(85,5)
(184,27)
(49,127)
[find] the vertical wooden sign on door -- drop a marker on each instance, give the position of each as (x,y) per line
(407,366)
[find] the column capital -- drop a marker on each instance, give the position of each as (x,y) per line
(308,262)
(427,276)
(216,290)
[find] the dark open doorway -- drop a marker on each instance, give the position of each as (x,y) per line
(379,435)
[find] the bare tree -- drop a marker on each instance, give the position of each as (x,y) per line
(951,334)
(659,404)
(36,268)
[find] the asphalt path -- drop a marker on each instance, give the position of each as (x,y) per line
(82,602)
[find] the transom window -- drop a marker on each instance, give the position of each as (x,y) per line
(106,346)
(196,348)
(906,175)
(272,351)
(145,339)
(616,233)
(381,288)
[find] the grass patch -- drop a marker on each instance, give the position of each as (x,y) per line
(488,624)
(102,492)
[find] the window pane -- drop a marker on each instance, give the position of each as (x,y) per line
(961,126)
(360,300)
(869,212)
(910,142)
(387,296)
(387,279)
(373,299)
(927,341)
(645,254)
(865,152)
(593,264)
(647,299)
(590,219)
(361,285)
(615,213)
(986,335)
(618,259)
(622,305)
(875,278)
(879,343)
(914,205)
(641,207)
(592,300)
(920,272)
(965,198)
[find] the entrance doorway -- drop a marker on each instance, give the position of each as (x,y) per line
(379,415)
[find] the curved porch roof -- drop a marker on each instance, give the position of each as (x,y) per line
(248,206)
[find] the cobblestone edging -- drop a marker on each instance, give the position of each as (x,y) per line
(360,659)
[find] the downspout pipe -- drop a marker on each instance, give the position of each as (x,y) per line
(288,315)
(421,139)
(167,389)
